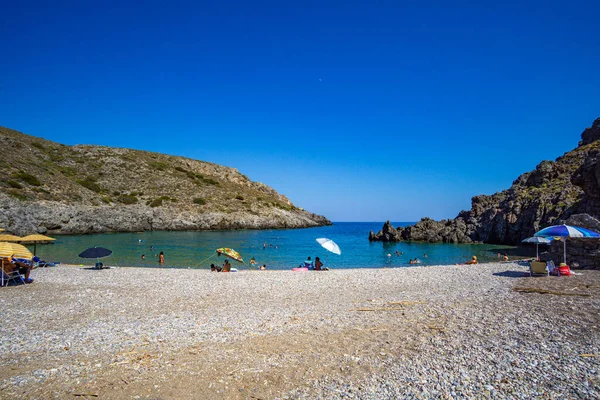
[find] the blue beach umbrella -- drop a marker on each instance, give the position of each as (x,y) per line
(565,231)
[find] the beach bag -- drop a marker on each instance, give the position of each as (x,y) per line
(564,270)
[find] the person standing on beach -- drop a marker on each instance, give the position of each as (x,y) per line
(161,258)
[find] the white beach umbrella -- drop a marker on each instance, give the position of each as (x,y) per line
(537,240)
(330,245)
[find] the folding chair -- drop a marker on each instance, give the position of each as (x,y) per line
(538,268)
(13,275)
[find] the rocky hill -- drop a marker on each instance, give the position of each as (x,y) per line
(59,189)
(553,192)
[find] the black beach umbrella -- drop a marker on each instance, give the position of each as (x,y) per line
(95,252)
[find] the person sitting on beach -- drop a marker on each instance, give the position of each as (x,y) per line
(214,268)
(319,265)
(307,264)
(473,260)
(505,258)
(263,267)
(253,263)
(226,266)
(15,265)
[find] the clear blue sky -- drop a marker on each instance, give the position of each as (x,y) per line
(358,110)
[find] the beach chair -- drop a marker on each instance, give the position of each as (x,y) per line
(538,268)
(39,263)
(552,269)
(13,275)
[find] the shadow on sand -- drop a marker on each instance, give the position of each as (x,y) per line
(512,274)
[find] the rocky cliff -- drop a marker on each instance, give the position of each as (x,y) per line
(554,191)
(59,189)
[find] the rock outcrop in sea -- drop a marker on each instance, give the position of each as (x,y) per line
(555,191)
(57,189)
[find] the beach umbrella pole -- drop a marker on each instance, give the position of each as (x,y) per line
(565,251)
(206,259)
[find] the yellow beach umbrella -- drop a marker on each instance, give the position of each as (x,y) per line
(5,237)
(35,239)
(16,250)
(1,230)
(5,249)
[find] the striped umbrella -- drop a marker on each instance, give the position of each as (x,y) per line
(12,249)
(565,231)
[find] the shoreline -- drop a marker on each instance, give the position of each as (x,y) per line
(245,268)
(348,333)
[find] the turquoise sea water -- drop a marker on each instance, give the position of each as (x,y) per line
(286,248)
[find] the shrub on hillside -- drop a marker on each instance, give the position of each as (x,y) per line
(127,199)
(28,178)
(211,181)
(16,194)
(161,166)
(156,202)
(90,183)
(14,184)
(38,145)
(199,201)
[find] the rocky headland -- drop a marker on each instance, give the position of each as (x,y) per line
(566,190)
(52,188)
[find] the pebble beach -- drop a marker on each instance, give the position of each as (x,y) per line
(468,331)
